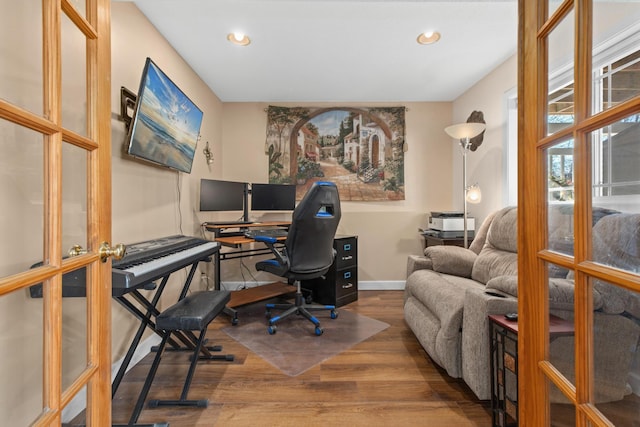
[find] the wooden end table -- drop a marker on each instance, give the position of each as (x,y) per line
(503,349)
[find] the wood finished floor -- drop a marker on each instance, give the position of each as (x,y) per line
(385,380)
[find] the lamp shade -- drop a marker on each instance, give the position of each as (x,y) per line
(465,130)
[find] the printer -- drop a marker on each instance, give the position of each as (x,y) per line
(449,224)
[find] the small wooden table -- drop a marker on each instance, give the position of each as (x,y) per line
(503,349)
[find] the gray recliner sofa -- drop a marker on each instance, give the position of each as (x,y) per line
(451,291)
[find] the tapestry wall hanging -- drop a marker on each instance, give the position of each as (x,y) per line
(360,149)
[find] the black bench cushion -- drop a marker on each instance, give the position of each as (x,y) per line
(194,312)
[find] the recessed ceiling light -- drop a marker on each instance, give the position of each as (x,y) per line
(239,39)
(428,37)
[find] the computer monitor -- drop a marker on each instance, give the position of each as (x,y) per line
(216,195)
(273,197)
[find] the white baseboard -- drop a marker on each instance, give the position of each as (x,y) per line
(373,285)
(236,286)
(79,402)
(388,285)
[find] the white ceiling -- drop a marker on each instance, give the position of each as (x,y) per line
(337,50)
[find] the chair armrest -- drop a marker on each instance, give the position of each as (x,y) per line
(453,260)
(265,239)
(270,242)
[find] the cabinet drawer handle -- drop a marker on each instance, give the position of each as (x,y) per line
(348,257)
(347,275)
(347,286)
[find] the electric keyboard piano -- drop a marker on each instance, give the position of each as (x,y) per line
(143,263)
(147,261)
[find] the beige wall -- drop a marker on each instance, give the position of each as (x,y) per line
(149,201)
(485,166)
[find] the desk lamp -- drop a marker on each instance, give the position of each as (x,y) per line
(464,132)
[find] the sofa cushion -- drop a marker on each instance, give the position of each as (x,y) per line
(560,224)
(433,310)
(503,231)
(481,234)
(493,263)
(438,290)
(616,243)
(498,257)
(451,260)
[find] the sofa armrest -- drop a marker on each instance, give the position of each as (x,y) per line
(453,260)
(562,295)
(476,367)
(561,291)
(415,262)
(505,284)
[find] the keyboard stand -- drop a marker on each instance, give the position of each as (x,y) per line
(147,320)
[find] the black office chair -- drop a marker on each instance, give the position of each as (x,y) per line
(308,250)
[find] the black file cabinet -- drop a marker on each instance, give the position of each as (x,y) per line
(340,284)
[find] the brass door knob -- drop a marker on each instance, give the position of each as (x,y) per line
(76,250)
(118,251)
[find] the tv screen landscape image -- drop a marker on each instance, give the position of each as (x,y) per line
(166,124)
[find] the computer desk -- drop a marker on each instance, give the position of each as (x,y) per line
(232,236)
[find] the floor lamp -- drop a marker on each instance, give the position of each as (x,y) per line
(464,132)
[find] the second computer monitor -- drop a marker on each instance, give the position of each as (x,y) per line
(273,197)
(216,195)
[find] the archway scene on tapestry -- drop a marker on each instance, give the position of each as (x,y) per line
(360,149)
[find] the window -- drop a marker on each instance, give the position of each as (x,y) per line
(616,79)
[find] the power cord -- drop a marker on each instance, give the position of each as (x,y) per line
(179,204)
(243,265)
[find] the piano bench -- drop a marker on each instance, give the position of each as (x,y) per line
(192,313)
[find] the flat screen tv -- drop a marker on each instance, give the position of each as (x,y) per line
(273,197)
(218,195)
(166,124)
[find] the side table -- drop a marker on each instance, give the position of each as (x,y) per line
(430,240)
(504,365)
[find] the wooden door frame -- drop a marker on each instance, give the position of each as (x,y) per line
(99,187)
(96,376)
(536,372)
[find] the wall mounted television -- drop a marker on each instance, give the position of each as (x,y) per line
(273,197)
(166,124)
(216,195)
